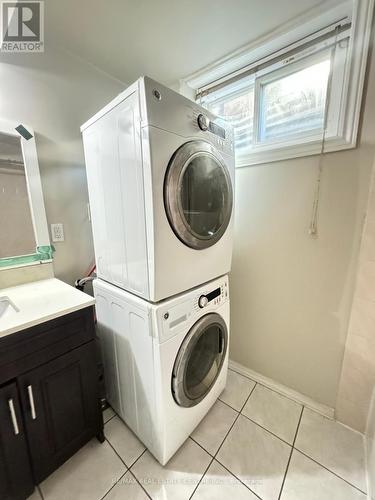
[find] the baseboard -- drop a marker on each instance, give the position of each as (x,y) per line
(368,445)
(368,481)
(324,410)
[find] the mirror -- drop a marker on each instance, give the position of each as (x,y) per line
(17,232)
(24,237)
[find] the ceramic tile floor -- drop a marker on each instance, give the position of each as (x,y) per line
(253,444)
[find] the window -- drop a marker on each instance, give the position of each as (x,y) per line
(236,105)
(283,105)
(287,98)
(294,104)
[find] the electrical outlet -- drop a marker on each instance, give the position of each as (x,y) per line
(57,231)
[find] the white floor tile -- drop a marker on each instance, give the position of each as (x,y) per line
(123,440)
(309,481)
(89,474)
(276,413)
(237,390)
(126,488)
(219,484)
(333,445)
(108,413)
(256,457)
(249,452)
(177,479)
(214,427)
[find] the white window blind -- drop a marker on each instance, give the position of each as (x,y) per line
(274,93)
(277,105)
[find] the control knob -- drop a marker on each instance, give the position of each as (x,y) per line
(202,301)
(203,122)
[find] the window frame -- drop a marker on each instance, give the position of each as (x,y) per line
(270,77)
(345,100)
(235,93)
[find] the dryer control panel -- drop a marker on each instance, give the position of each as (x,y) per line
(204,123)
(170,111)
(218,132)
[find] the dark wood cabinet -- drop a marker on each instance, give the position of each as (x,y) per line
(49,395)
(16,481)
(60,407)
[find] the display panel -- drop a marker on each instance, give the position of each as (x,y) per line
(217,130)
(212,295)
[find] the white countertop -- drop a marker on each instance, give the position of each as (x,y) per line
(40,301)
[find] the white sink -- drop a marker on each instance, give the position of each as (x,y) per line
(7,307)
(30,304)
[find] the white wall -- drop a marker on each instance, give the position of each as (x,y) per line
(55,93)
(357,380)
(291,294)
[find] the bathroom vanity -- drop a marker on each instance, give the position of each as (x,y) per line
(49,402)
(49,397)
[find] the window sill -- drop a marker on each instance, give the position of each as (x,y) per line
(269,154)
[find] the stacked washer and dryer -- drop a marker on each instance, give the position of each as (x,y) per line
(160,173)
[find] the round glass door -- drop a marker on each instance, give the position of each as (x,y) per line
(199,360)
(198,195)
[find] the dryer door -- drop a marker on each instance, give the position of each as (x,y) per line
(198,195)
(199,360)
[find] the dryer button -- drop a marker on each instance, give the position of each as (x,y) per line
(203,122)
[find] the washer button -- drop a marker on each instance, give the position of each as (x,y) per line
(202,301)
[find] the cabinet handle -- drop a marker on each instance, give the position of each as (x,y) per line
(13,417)
(31,401)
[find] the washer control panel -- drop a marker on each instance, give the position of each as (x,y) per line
(214,297)
(178,315)
(202,301)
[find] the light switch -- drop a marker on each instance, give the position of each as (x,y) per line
(57,231)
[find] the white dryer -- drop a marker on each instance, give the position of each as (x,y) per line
(165,364)
(160,172)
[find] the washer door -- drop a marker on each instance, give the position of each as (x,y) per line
(198,195)
(199,360)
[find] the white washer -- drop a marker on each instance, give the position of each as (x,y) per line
(160,173)
(164,364)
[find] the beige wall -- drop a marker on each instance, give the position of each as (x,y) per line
(291,294)
(357,381)
(55,93)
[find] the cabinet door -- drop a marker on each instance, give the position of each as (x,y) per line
(61,408)
(15,474)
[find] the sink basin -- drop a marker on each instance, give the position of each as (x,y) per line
(7,307)
(29,304)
